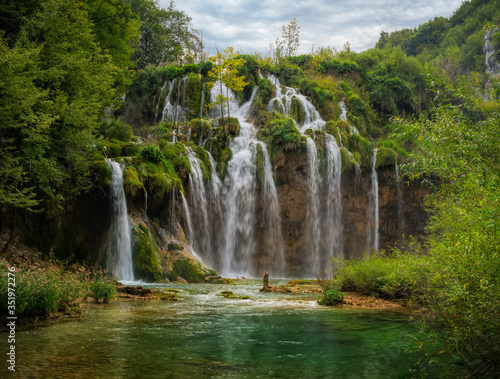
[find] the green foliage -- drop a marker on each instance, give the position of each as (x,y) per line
(102,288)
(386,275)
(386,157)
(116,129)
(463,288)
(331,297)
(166,35)
(131,181)
(42,288)
(116,28)
(176,153)
(225,71)
(55,86)
(152,154)
(285,133)
(464,30)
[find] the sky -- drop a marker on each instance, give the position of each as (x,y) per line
(250,26)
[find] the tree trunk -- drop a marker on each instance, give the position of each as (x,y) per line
(265,288)
(222,110)
(228,111)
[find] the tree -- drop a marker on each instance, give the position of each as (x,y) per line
(166,35)
(116,28)
(225,71)
(289,44)
(290,34)
(462,290)
(54,88)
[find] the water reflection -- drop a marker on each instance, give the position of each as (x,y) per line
(205,335)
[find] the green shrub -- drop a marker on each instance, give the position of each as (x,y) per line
(172,72)
(392,275)
(386,157)
(285,133)
(152,154)
(117,129)
(102,289)
(331,297)
(42,289)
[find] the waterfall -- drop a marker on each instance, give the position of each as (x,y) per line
(236,201)
(169,111)
(160,97)
(401,216)
(284,103)
(492,68)
(333,222)
(373,216)
(314,221)
(189,223)
(199,237)
(343,110)
(120,245)
(239,200)
(325,205)
(275,240)
(343,117)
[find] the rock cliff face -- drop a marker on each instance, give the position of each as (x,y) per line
(398,216)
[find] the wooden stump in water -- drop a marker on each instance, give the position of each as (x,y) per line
(265,288)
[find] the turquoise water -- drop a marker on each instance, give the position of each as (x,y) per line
(205,335)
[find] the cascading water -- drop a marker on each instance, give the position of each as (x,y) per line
(200,238)
(240,195)
(333,223)
(324,221)
(275,237)
(120,246)
(314,221)
(286,102)
(373,211)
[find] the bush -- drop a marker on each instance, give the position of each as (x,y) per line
(331,297)
(285,133)
(395,275)
(102,289)
(42,289)
(152,154)
(116,129)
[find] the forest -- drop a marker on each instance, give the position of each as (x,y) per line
(86,81)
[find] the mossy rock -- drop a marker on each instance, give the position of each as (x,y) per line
(166,296)
(231,295)
(189,269)
(234,127)
(206,165)
(146,265)
(386,157)
(297,111)
(260,165)
(193,96)
(218,280)
(175,246)
(103,173)
(131,182)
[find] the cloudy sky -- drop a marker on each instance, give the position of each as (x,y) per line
(250,26)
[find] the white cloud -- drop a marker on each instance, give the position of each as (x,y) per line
(251,26)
